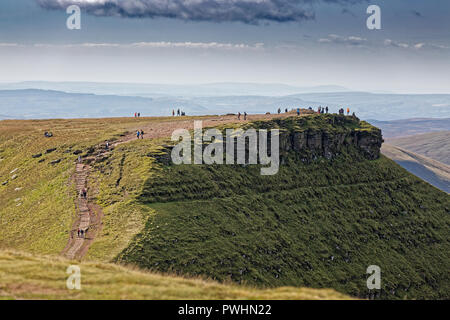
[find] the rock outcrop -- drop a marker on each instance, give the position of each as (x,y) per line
(310,138)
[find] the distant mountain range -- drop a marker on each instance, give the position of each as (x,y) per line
(410,127)
(27,100)
(156,90)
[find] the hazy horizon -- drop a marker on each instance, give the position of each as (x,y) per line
(301,43)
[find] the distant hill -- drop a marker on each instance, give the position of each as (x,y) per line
(435,145)
(155,90)
(410,127)
(49,104)
(120,99)
(432,171)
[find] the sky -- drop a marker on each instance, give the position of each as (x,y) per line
(296,42)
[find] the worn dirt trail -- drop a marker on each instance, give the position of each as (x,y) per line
(89,214)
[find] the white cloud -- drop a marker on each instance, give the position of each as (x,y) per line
(161,44)
(350,40)
(392,43)
(6,44)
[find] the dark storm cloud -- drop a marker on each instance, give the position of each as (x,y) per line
(246,11)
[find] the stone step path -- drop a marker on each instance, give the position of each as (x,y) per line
(83,212)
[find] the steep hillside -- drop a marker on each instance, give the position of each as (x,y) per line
(432,171)
(334,208)
(434,145)
(320,222)
(22,278)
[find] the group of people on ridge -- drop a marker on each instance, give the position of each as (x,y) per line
(239,116)
(137,114)
(285,110)
(179,113)
(342,111)
(320,110)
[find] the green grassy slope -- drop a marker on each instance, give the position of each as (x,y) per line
(317,225)
(37,206)
(25,276)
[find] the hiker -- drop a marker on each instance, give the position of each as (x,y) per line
(135,114)
(78,232)
(138,133)
(79,159)
(178,112)
(82,232)
(326,109)
(245,115)
(239,116)
(279,110)
(106,145)
(348,110)
(286,110)
(142,134)
(298,111)
(173,112)
(84,193)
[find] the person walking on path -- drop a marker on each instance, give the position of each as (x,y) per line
(245,115)
(142,134)
(138,133)
(173,112)
(298,111)
(239,116)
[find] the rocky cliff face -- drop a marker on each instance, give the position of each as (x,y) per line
(311,138)
(327,136)
(315,143)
